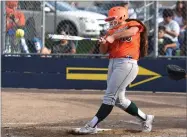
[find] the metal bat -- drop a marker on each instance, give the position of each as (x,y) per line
(67,37)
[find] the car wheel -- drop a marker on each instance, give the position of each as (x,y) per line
(68,27)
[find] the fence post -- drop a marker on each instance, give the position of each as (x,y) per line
(43,22)
(145,11)
(156,29)
(55,17)
(3,26)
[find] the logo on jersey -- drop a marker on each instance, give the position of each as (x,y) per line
(128,39)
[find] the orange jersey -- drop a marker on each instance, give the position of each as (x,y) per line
(18,16)
(126,47)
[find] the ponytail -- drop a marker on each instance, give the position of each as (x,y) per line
(143,39)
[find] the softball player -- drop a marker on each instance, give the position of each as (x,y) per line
(126,42)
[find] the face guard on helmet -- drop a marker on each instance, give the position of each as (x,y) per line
(117,15)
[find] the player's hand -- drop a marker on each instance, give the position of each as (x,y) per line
(12,17)
(110,39)
(102,40)
(165,48)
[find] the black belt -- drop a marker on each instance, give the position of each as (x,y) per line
(129,57)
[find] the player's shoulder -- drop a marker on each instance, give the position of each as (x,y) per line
(134,22)
(174,23)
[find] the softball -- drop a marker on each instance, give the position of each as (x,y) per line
(19,33)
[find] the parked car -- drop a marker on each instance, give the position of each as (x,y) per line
(97,9)
(103,8)
(69,19)
(131,11)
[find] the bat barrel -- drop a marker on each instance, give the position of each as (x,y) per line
(59,37)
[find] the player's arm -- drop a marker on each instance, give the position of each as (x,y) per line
(124,33)
(172,45)
(184,27)
(175,31)
(73,51)
(172,33)
(103,48)
(21,21)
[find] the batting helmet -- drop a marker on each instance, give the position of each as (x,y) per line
(117,15)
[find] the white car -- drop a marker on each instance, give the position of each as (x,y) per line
(69,19)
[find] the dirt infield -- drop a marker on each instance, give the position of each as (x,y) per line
(53,113)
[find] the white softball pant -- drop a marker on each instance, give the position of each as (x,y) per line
(121,72)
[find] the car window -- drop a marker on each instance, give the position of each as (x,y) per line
(62,6)
(30,5)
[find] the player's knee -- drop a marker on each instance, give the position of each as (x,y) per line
(123,103)
(109,100)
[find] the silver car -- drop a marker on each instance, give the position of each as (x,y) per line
(68,19)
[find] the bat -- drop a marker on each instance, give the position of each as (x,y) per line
(67,37)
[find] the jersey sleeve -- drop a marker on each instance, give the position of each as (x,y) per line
(136,24)
(21,18)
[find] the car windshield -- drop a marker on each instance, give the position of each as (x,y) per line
(62,6)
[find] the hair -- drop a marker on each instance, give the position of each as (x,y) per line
(143,39)
(183,10)
(168,13)
(183,3)
(12,4)
(162,28)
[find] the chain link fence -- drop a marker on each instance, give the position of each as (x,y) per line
(86,19)
(172,29)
